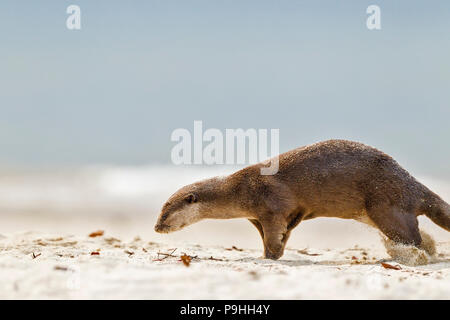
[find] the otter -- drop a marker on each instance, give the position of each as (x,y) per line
(334,178)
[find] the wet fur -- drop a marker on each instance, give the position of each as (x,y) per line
(334,178)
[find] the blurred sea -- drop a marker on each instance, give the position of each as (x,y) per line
(117,191)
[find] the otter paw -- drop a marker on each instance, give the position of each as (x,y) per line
(407,254)
(272,255)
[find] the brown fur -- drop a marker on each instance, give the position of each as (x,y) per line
(335,178)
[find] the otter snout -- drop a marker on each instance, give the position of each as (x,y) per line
(162,228)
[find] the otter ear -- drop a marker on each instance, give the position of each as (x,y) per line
(191,198)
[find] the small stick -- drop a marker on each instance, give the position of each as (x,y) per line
(166,255)
(214,259)
(36,255)
(234,248)
(130,253)
(61,268)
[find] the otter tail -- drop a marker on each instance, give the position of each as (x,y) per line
(437,210)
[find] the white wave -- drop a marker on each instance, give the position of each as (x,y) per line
(137,190)
(113,190)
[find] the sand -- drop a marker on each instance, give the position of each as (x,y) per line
(54,260)
(56,266)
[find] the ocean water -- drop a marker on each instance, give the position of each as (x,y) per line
(101,190)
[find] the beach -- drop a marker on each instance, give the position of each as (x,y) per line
(44,266)
(46,251)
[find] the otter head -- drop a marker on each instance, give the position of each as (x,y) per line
(186,206)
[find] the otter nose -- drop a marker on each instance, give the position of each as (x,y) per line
(161,228)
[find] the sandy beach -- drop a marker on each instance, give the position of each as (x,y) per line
(46,251)
(45,266)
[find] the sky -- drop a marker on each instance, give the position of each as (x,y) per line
(114,91)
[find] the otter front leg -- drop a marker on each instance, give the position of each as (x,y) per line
(258,226)
(261,232)
(275,238)
(275,233)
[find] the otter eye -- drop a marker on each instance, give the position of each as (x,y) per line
(191,198)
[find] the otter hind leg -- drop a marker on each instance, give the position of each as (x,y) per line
(397,225)
(406,243)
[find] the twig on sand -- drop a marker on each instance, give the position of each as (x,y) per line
(214,259)
(129,253)
(234,248)
(35,255)
(165,255)
(61,268)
